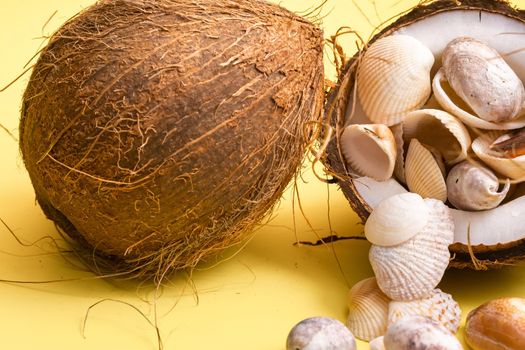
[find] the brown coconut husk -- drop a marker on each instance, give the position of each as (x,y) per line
(463,256)
(158,132)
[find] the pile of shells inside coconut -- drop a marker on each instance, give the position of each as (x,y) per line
(434,136)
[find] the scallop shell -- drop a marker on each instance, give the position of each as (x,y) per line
(370,150)
(482,78)
(368,310)
(439,307)
(393,78)
(440,130)
(452,104)
(513,168)
(411,270)
(399,167)
(397,219)
(418,332)
(423,173)
(377,344)
(474,187)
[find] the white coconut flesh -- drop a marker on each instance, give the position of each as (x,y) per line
(506,223)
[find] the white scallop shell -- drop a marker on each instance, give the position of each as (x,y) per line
(513,168)
(439,307)
(377,344)
(397,219)
(393,78)
(482,78)
(474,187)
(370,150)
(440,130)
(399,167)
(452,104)
(418,332)
(368,310)
(423,173)
(411,270)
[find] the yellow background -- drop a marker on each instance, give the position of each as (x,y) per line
(249,301)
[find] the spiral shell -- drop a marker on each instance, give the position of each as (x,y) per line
(411,270)
(393,78)
(439,307)
(368,310)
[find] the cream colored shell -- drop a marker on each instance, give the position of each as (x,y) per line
(439,307)
(397,219)
(369,150)
(393,78)
(440,130)
(471,186)
(399,167)
(423,172)
(482,78)
(513,168)
(411,270)
(368,310)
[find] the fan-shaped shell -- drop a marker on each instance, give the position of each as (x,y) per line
(411,270)
(438,306)
(393,78)
(513,168)
(368,310)
(370,150)
(454,105)
(440,130)
(482,78)
(397,219)
(423,173)
(473,187)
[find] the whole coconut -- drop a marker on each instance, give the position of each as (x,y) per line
(158,132)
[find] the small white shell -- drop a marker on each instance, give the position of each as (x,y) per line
(440,130)
(370,150)
(418,332)
(423,173)
(397,219)
(377,344)
(411,270)
(452,104)
(482,78)
(368,310)
(513,168)
(393,78)
(439,307)
(320,333)
(474,187)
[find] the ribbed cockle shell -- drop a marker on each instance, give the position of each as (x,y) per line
(393,78)
(397,219)
(368,310)
(473,187)
(411,270)
(369,150)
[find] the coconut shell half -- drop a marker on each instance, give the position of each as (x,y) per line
(491,238)
(159,132)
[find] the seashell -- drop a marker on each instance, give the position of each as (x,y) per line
(453,104)
(368,310)
(370,150)
(397,219)
(440,130)
(393,78)
(320,333)
(418,332)
(510,145)
(411,270)
(513,168)
(482,78)
(497,324)
(399,166)
(474,187)
(439,307)
(377,344)
(423,172)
